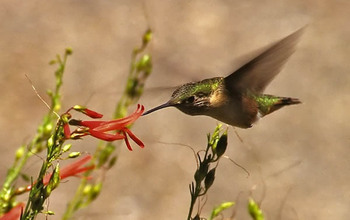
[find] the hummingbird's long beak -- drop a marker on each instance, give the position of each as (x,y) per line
(167,104)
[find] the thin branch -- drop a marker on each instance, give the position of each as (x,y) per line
(39,96)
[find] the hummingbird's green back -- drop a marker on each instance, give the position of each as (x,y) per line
(198,89)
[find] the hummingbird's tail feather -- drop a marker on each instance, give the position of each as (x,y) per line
(282,101)
(289,101)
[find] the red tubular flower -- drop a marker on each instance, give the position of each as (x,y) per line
(14,213)
(74,169)
(88,112)
(99,129)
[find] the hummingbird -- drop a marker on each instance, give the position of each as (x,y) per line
(238,98)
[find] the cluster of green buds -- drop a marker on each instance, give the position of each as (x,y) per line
(205,174)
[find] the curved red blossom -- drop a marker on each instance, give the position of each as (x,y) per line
(116,124)
(14,213)
(100,129)
(106,136)
(86,111)
(92,114)
(73,169)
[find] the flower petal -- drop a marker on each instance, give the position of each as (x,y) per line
(92,114)
(14,213)
(106,136)
(127,141)
(91,124)
(134,138)
(118,124)
(66,131)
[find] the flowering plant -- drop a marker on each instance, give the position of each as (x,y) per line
(52,136)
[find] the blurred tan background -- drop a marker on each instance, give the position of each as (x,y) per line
(298,157)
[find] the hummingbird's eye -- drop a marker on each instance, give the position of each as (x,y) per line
(189,100)
(200,94)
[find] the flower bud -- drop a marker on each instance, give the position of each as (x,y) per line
(88,112)
(65,117)
(66,147)
(112,161)
(254,210)
(69,51)
(49,212)
(87,189)
(48,128)
(20,152)
(217,210)
(50,142)
(147,37)
(74,154)
(96,190)
(54,180)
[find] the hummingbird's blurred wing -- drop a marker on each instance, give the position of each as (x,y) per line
(260,71)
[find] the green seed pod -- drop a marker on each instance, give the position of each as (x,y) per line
(209,179)
(201,173)
(221,145)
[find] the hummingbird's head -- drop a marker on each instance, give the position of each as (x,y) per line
(192,98)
